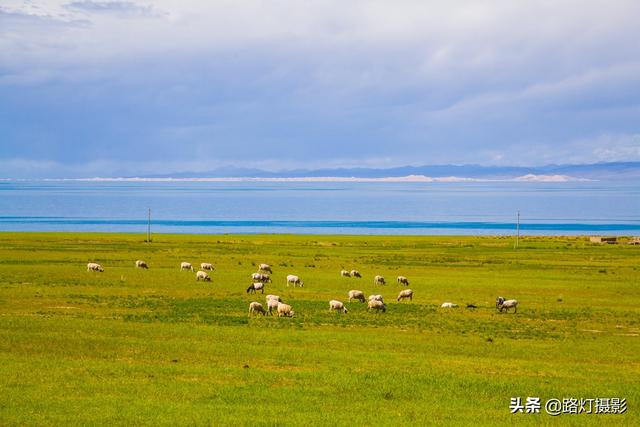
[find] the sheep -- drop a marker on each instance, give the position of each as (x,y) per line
(403,280)
(337,305)
(256,307)
(295,280)
(275,297)
(265,267)
(448,305)
(207,266)
(259,277)
(285,310)
(510,303)
(94,266)
(376,298)
(376,305)
(345,273)
(272,305)
(355,273)
(257,286)
(201,275)
(186,266)
(141,264)
(378,280)
(355,294)
(499,302)
(404,294)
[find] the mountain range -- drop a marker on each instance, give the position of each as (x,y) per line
(596,171)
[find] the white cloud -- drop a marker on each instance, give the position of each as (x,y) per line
(610,148)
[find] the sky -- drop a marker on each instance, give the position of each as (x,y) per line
(129,88)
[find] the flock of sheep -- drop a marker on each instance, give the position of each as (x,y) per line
(275,303)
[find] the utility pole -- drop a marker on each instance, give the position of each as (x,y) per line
(518,231)
(149,227)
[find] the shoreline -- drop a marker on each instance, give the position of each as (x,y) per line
(623,238)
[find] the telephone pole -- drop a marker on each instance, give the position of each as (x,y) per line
(518,231)
(149,227)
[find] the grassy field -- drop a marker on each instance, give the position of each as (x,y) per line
(155,347)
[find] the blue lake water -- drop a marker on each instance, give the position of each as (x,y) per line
(611,208)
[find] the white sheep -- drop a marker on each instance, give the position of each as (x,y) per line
(510,303)
(259,277)
(141,264)
(94,266)
(376,298)
(355,273)
(201,275)
(257,286)
(356,294)
(448,305)
(285,310)
(295,280)
(345,273)
(337,305)
(255,308)
(378,280)
(207,266)
(186,266)
(403,280)
(265,267)
(404,294)
(376,305)
(272,305)
(275,297)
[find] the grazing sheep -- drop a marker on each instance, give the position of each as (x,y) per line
(376,298)
(255,308)
(265,267)
(258,286)
(186,266)
(295,280)
(207,266)
(510,303)
(272,305)
(141,264)
(201,275)
(275,297)
(403,280)
(285,310)
(337,305)
(378,280)
(259,277)
(355,294)
(355,273)
(345,273)
(376,305)
(448,305)
(94,266)
(404,294)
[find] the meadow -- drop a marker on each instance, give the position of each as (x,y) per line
(155,347)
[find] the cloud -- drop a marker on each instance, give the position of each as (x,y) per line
(609,148)
(119,8)
(317,83)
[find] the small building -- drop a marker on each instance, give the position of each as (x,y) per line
(602,239)
(635,240)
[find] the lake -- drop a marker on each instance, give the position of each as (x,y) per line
(474,208)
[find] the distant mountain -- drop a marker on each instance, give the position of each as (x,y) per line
(598,171)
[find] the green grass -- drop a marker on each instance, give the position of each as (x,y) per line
(155,347)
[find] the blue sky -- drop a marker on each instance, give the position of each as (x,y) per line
(105,88)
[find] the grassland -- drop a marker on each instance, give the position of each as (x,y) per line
(155,347)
